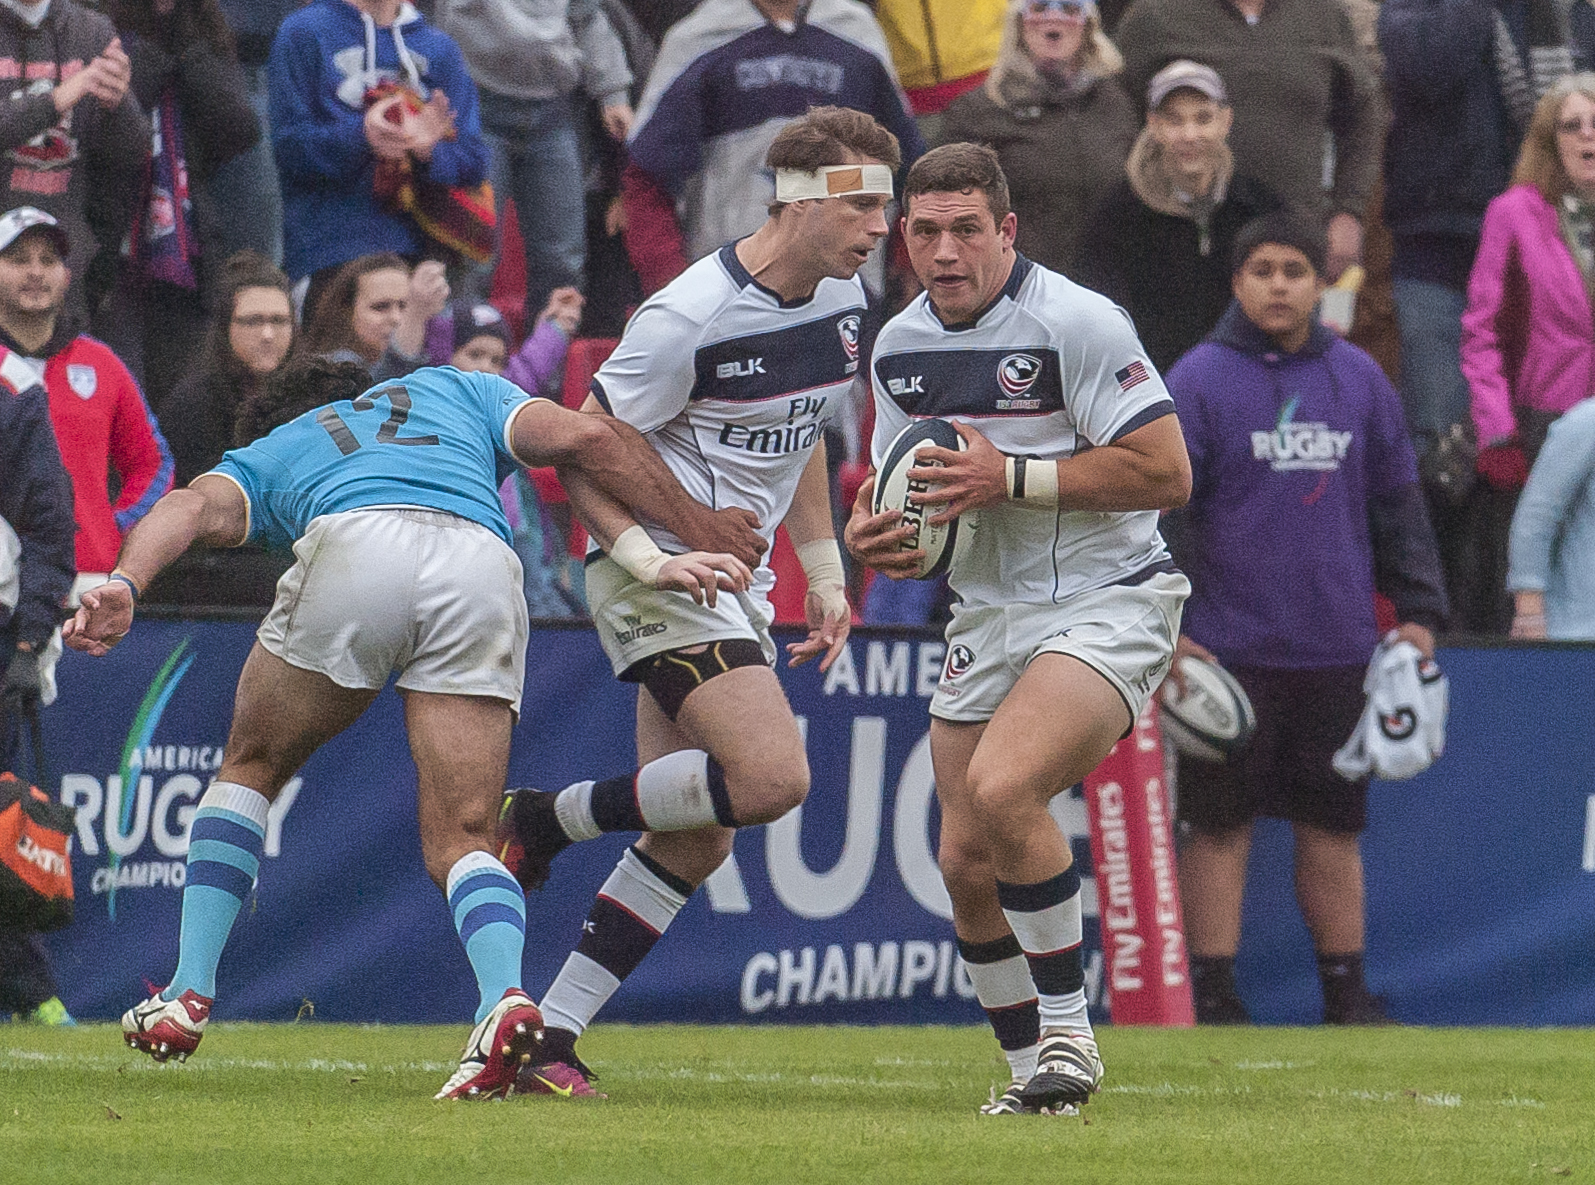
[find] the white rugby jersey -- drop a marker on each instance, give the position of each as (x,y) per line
(734,387)
(1049,369)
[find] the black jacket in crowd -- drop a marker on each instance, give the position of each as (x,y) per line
(1171,277)
(36,500)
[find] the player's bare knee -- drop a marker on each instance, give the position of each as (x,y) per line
(966,868)
(764,794)
(1001,801)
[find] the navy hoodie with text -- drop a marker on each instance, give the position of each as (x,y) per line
(326,56)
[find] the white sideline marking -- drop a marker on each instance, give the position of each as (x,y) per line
(203,1062)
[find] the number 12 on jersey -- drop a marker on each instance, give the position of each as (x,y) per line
(398,397)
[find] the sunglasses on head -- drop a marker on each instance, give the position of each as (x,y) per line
(1064,8)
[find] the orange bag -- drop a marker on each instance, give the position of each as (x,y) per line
(35,858)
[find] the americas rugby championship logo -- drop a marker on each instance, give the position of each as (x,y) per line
(848,330)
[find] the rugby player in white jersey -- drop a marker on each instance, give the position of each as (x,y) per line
(1068,604)
(731,372)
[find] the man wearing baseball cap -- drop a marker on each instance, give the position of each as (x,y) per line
(1159,243)
(100,418)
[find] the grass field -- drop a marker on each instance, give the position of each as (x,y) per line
(332,1104)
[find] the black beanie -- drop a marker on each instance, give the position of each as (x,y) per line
(473,319)
(1288,230)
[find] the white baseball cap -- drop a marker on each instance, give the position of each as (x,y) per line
(14,223)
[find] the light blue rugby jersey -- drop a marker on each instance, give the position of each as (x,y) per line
(435,438)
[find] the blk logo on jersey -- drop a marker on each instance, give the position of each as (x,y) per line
(1016,374)
(1292,446)
(740,370)
(914,384)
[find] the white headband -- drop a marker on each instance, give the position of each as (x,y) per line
(795,185)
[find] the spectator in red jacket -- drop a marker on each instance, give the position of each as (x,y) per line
(101,420)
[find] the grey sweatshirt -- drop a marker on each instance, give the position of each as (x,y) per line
(538,49)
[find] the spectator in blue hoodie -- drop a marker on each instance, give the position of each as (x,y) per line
(328,136)
(1304,502)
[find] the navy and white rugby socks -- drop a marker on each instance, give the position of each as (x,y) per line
(1001,975)
(680,791)
(224,849)
(1045,918)
(635,906)
(490,914)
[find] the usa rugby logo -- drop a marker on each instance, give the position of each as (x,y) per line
(959,660)
(848,328)
(1017,373)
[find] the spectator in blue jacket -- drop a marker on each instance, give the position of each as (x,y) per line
(1552,578)
(328,134)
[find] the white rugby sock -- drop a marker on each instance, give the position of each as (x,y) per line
(1001,975)
(633,909)
(680,791)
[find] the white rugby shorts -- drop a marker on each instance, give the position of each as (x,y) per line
(1125,632)
(636,622)
(436,597)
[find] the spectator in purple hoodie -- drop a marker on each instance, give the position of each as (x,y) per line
(1305,501)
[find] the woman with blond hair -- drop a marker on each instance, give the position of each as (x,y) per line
(1059,121)
(1528,335)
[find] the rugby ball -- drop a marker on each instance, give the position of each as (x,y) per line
(1213,720)
(892,488)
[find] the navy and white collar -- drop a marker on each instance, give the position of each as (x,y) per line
(743,278)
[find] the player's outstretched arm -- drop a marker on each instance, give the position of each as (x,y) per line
(876,540)
(808,524)
(212,511)
(1147,469)
(596,451)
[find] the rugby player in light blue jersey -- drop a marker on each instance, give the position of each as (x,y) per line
(389,500)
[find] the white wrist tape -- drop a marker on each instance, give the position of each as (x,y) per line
(822,564)
(1032,482)
(639,555)
(795,185)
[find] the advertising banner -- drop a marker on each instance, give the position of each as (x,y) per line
(1481,872)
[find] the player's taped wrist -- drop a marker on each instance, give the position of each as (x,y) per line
(822,564)
(1032,482)
(634,551)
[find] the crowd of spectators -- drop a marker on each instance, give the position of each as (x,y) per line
(223,183)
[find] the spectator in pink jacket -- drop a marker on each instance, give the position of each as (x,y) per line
(1528,336)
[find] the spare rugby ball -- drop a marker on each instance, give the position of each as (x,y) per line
(892,488)
(1213,720)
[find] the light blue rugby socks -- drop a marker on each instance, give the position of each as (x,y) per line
(224,847)
(490,914)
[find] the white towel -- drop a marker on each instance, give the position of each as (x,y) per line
(1402,729)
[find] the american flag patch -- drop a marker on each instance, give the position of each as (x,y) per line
(1132,375)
